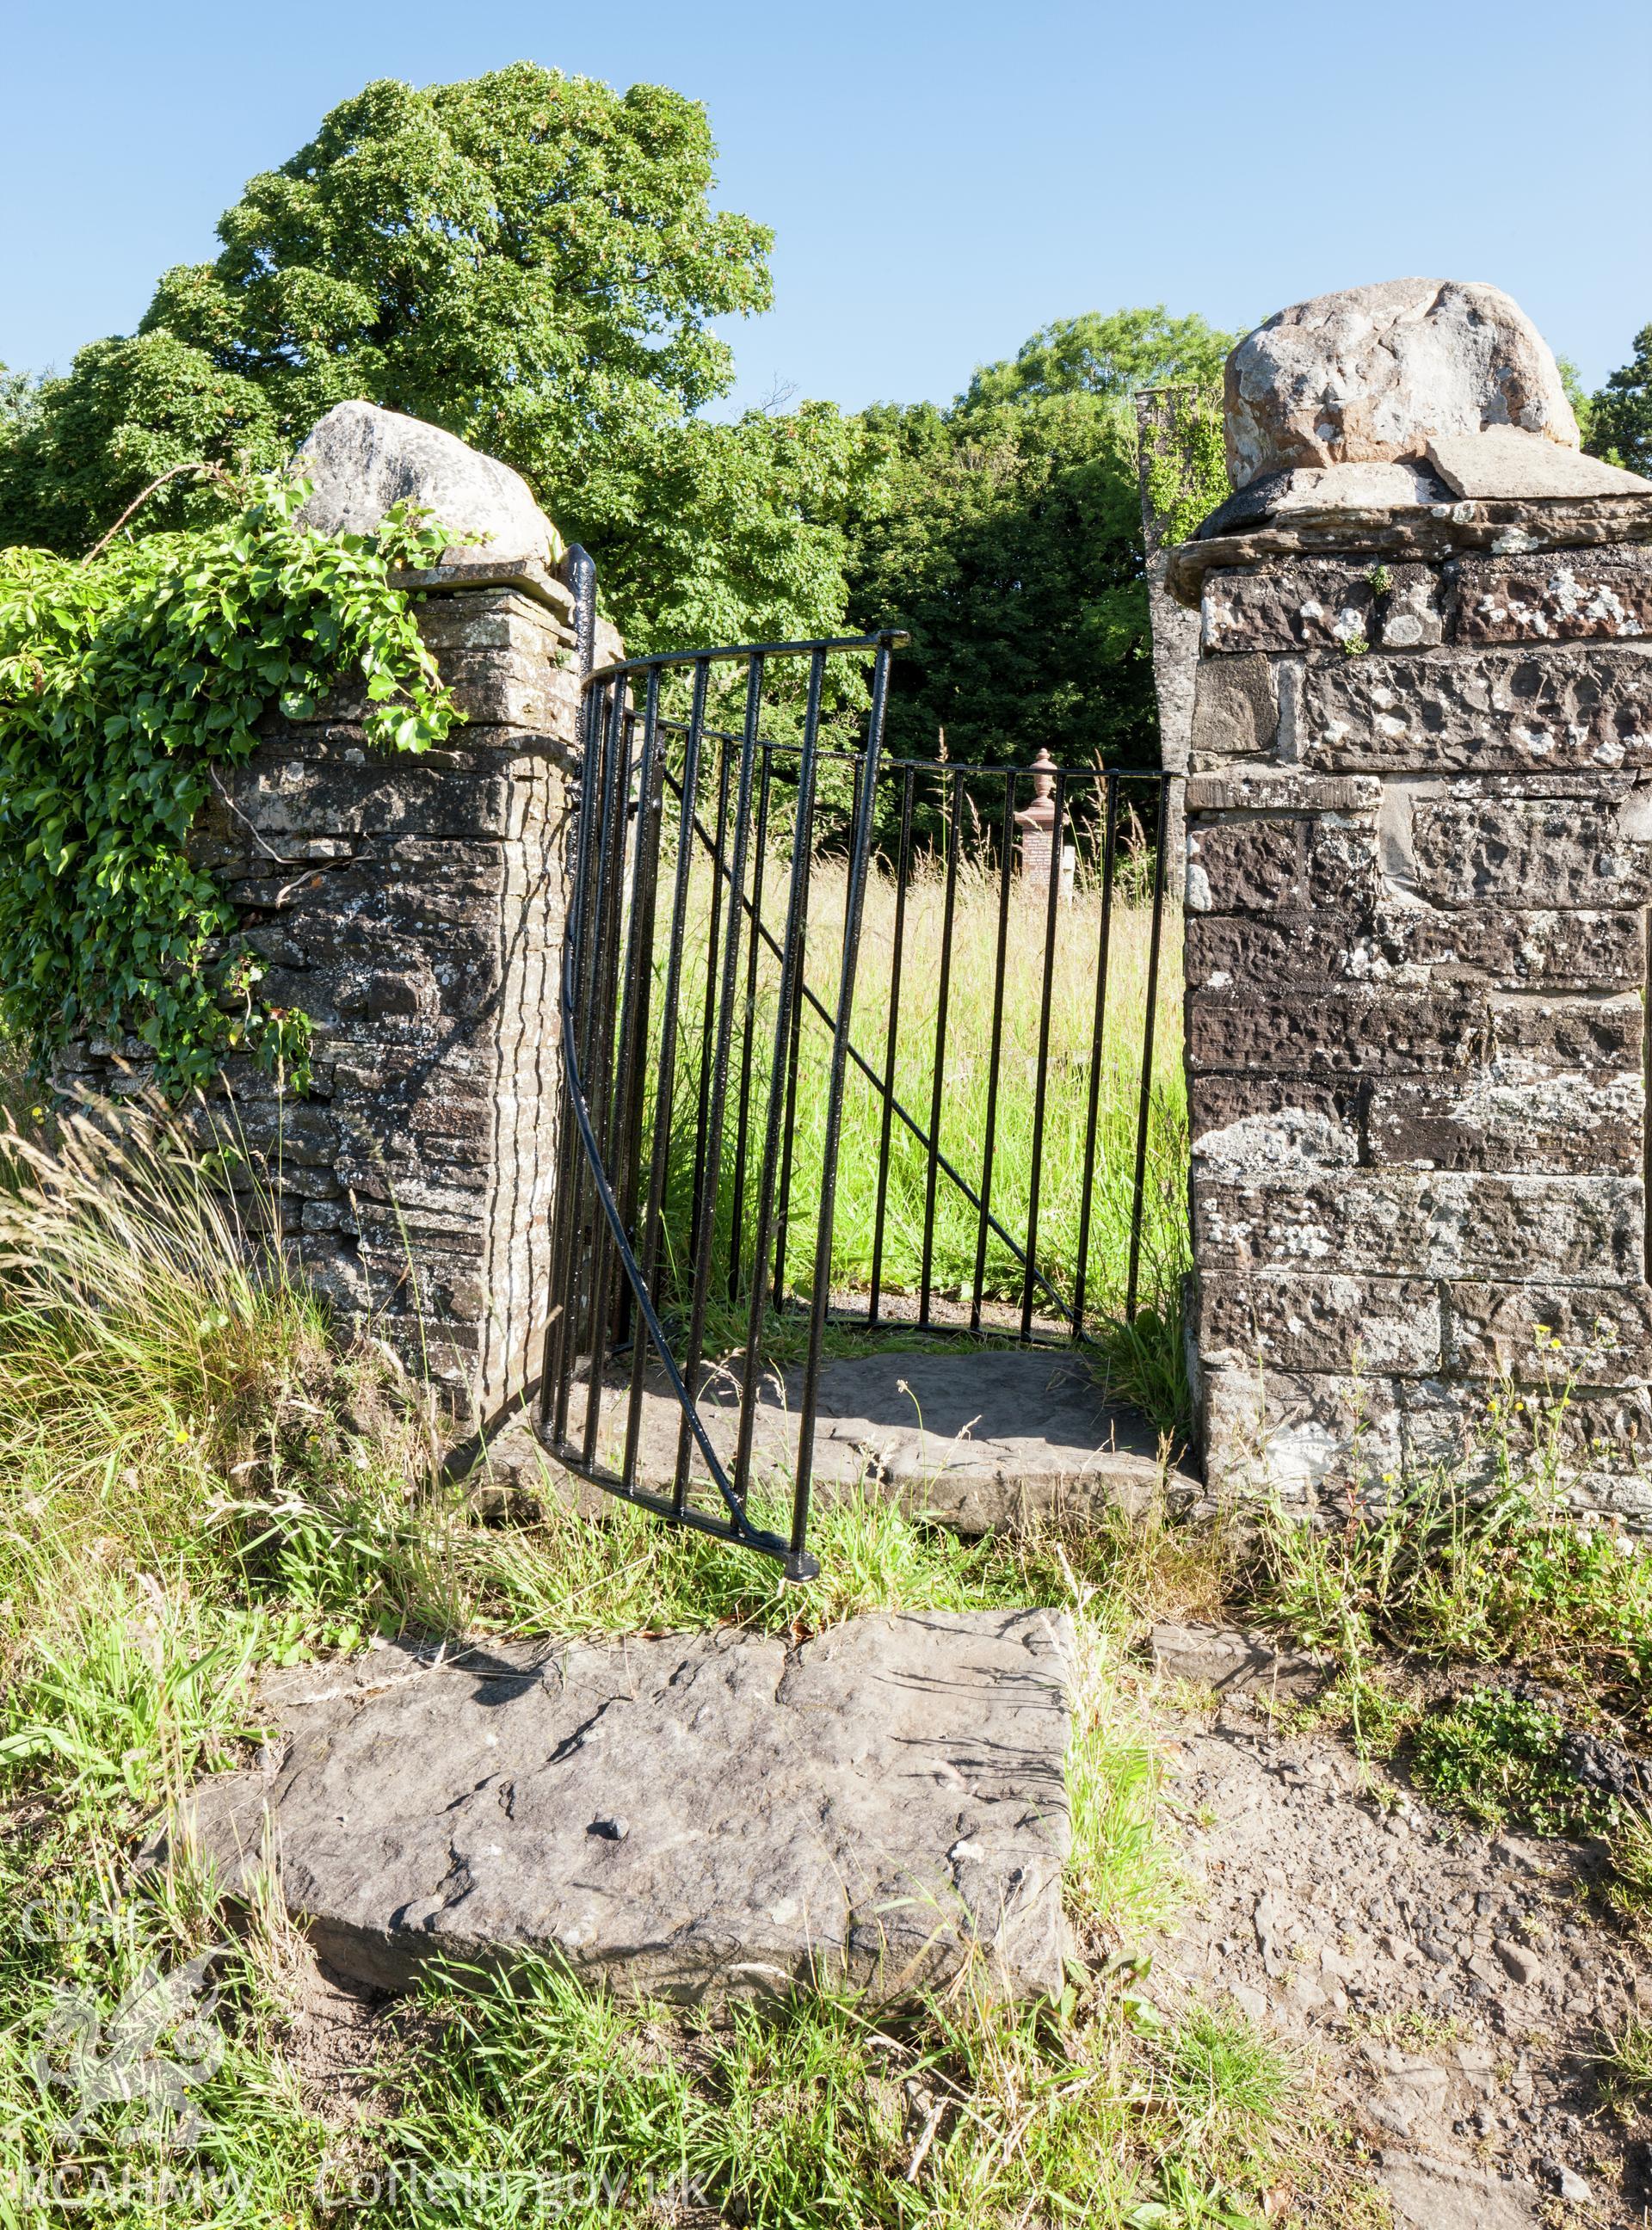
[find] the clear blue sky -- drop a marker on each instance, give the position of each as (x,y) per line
(942,175)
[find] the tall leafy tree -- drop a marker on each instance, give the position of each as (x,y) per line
(1007,537)
(722,533)
(527,258)
(1620,416)
(129,411)
(1114,355)
(18,393)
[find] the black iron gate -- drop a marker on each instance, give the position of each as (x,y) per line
(723,1006)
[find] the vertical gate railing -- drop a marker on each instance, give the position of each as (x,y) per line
(648,783)
(774,929)
(1035,939)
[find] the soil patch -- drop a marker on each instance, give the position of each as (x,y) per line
(1452,1990)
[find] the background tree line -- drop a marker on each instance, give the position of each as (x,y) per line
(532,260)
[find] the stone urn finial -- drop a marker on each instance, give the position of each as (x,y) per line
(1039,817)
(1038,824)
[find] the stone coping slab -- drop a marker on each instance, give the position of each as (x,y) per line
(461,569)
(686,1816)
(1428,532)
(1505,461)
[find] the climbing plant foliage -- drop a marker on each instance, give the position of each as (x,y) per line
(1187,464)
(125,681)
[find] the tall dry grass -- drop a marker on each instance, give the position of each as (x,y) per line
(1005,1181)
(1056,1157)
(170,1404)
(138,1298)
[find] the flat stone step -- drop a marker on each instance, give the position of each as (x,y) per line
(978,1439)
(685,1816)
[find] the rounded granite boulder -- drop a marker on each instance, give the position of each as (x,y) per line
(362,460)
(1370,375)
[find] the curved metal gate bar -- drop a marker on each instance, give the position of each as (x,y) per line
(1097,798)
(1004,1096)
(879,1079)
(608,1269)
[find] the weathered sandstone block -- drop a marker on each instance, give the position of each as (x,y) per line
(1253,864)
(1499,711)
(1418,949)
(1324,603)
(1376,1031)
(1235,710)
(1544,948)
(1306,1437)
(1255,952)
(1581,1333)
(1588,848)
(1396,1223)
(1251,789)
(1311,495)
(1320,1323)
(1598,595)
(1329,1441)
(1433,530)
(1497,1118)
(1266,864)
(1247,1126)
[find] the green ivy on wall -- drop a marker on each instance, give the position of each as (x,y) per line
(1187,464)
(123,678)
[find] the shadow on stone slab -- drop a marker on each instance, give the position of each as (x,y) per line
(881,1806)
(978,1440)
(1234,1662)
(1435,2195)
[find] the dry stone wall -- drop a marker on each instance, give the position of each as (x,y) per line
(1419,862)
(412,908)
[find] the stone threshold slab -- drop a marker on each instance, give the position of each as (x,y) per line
(686,1816)
(978,1439)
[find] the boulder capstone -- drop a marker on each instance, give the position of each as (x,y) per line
(363,460)
(1367,376)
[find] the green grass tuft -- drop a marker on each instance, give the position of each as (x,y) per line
(1626,2062)
(1496,1756)
(1628,1891)
(133,1693)
(1462,1576)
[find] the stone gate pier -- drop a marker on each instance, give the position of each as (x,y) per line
(412,908)
(1419,865)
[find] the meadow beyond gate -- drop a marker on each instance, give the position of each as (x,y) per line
(849,1043)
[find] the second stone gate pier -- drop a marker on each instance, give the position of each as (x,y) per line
(1419,864)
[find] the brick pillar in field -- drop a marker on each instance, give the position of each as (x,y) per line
(412,907)
(1419,864)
